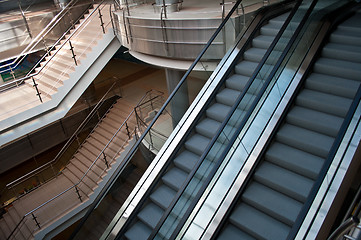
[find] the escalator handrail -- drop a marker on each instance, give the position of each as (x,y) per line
(29,48)
(214,139)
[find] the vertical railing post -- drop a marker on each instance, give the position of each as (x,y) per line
(101,20)
(72,52)
(13,74)
(127,128)
(165,9)
(37,90)
(26,21)
(77,192)
(105,159)
(35,219)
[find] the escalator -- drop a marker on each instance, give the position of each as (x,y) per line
(271,203)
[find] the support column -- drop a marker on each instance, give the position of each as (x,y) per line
(180,101)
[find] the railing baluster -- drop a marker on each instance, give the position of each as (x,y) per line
(37,90)
(101,20)
(105,159)
(77,192)
(35,219)
(72,52)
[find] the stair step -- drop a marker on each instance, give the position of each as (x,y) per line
(324,102)
(91,174)
(338,68)
(227,96)
(163,196)
(315,121)
(306,140)
(270,29)
(74,179)
(237,82)
(245,68)
(342,52)
(254,54)
(279,179)
(262,41)
(150,215)
(197,144)
(345,37)
(332,85)
(186,160)
(208,127)
(175,178)
(218,111)
(258,224)
(138,231)
(232,232)
(79,174)
(273,203)
(295,160)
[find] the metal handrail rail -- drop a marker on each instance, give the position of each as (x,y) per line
(66,145)
(38,39)
(29,75)
(85,174)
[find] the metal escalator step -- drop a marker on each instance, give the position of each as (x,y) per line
(151,214)
(254,54)
(232,232)
(332,85)
(262,41)
(338,68)
(316,121)
(345,37)
(324,102)
(186,160)
(218,111)
(284,181)
(342,52)
(246,68)
(270,29)
(163,196)
(175,178)
(208,127)
(305,140)
(139,231)
(197,144)
(295,160)
(227,96)
(352,24)
(273,203)
(258,224)
(237,82)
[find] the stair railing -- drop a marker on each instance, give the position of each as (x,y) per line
(40,220)
(40,38)
(59,46)
(56,164)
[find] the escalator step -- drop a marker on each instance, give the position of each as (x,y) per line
(197,144)
(186,160)
(345,37)
(163,196)
(338,68)
(237,82)
(218,111)
(254,54)
(258,224)
(306,140)
(245,68)
(227,96)
(139,231)
(208,127)
(324,102)
(284,181)
(332,85)
(262,41)
(232,232)
(175,178)
(342,52)
(295,160)
(273,203)
(315,121)
(151,215)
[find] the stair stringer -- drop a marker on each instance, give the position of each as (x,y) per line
(66,220)
(48,112)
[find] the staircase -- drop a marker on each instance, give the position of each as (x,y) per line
(58,69)
(75,171)
(174,177)
(276,193)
